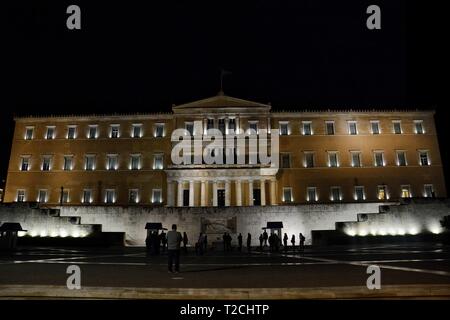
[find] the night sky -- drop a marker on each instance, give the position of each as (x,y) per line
(131,57)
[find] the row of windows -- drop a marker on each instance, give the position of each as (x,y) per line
(359,193)
(90,162)
(355,159)
(109,196)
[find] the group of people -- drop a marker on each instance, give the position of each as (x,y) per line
(275,242)
(156,242)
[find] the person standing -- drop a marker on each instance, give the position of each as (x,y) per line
(249,242)
(200,246)
(163,241)
(185,241)
(240,242)
(293,242)
(174,239)
(285,242)
(265,237)
(302,242)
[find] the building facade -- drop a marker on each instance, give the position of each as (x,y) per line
(324,157)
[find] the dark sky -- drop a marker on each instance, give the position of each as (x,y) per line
(136,57)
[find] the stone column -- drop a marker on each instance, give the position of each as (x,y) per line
(227,193)
(191,193)
(205,122)
(203,194)
(170,194)
(250,192)
(180,194)
(226,125)
(263,192)
(215,194)
(238,193)
(273,192)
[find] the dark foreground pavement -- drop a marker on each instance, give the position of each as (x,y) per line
(409,270)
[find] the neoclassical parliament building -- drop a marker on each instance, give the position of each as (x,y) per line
(324,157)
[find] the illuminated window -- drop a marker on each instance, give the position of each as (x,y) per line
(307,128)
(330,127)
(335,193)
(112,161)
(71,132)
(309,159)
(401,158)
(405,191)
(424,160)
(311,194)
(158,161)
(29,132)
(110,196)
(397,126)
(287,195)
(210,124)
(68,163)
(232,124)
(352,129)
(65,196)
(25,163)
(356,158)
(359,193)
(382,192)
(136,130)
(378,157)
(159,130)
(50,133)
(285,160)
(87,196)
(114,131)
(253,125)
(284,128)
(428,191)
(135,162)
(93,132)
(42,196)
(375,126)
(418,125)
(333,160)
(89,162)
(46,163)
(156,196)
(20,195)
(133,196)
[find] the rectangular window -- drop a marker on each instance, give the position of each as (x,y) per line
(68,163)
(158,161)
(50,133)
(87,196)
(29,131)
(159,130)
(93,132)
(284,128)
(114,131)
(110,196)
(71,132)
(20,195)
(352,129)
(309,159)
(231,124)
(428,191)
(65,196)
(253,125)
(336,194)
(46,163)
(89,162)
(133,196)
(311,194)
(382,192)
(359,193)
(285,160)
(397,126)
(418,126)
(210,124)
(356,159)
(378,158)
(423,158)
(401,158)
(156,196)
(333,159)
(222,125)
(307,128)
(405,191)
(136,130)
(330,128)
(25,163)
(375,126)
(42,196)
(112,162)
(189,126)
(287,195)
(135,162)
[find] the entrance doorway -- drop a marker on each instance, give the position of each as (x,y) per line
(221,198)
(186,198)
(256,197)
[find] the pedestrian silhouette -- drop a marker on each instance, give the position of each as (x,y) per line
(265,237)
(249,242)
(302,242)
(240,242)
(174,239)
(293,242)
(285,242)
(163,241)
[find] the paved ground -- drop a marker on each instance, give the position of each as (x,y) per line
(337,266)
